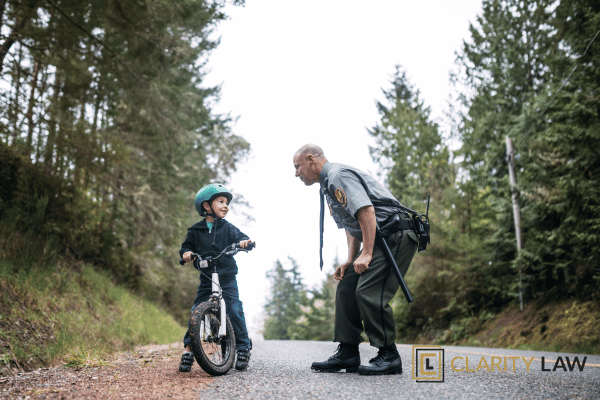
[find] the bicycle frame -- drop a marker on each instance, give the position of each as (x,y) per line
(217,293)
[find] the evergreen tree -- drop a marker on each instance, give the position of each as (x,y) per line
(109,96)
(449,280)
(318,316)
(284,306)
(407,141)
(559,183)
(105,101)
(516,67)
(503,67)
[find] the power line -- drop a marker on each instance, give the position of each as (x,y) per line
(569,77)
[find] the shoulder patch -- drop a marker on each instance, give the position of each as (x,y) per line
(340,196)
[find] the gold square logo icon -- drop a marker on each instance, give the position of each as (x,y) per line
(428,364)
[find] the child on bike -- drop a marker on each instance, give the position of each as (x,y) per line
(208,238)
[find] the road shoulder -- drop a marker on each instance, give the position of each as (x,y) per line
(148,372)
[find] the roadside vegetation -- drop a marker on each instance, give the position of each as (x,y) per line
(73,315)
(98,101)
(560,326)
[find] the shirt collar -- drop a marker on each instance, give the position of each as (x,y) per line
(324,172)
(202,224)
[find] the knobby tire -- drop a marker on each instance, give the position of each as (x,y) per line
(216,358)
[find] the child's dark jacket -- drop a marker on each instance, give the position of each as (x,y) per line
(223,233)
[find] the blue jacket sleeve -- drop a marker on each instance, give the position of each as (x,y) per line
(188,244)
(235,235)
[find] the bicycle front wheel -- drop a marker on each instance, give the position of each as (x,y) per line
(214,354)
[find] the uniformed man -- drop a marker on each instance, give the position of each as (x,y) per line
(367,284)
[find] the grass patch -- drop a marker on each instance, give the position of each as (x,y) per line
(53,314)
(561,326)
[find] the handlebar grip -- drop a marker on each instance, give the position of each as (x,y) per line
(194,256)
(250,246)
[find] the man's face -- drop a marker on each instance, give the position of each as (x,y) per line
(306,169)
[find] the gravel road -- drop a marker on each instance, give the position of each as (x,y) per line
(281,369)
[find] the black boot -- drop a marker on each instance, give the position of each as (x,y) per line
(187,360)
(387,362)
(346,357)
(243,358)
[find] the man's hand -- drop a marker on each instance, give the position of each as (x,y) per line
(361,264)
(187,256)
(338,275)
(244,243)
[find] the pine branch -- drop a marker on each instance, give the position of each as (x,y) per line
(16,30)
(93,37)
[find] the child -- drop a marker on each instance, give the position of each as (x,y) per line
(208,238)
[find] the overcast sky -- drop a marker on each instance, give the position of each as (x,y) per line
(298,72)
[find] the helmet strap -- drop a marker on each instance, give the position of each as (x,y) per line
(210,211)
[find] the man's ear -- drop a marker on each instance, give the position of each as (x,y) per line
(310,158)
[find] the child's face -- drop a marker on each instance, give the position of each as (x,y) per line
(220,206)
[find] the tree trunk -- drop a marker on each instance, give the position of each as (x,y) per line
(81,144)
(39,142)
(50,141)
(31,6)
(2,8)
(28,148)
(14,114)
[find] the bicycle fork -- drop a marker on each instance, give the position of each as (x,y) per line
(216,292)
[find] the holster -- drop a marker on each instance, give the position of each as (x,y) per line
(417,224)
(395,223)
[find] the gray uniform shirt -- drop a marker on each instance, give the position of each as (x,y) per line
(346,195)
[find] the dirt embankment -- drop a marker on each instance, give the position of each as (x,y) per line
(569,325)
(150,372)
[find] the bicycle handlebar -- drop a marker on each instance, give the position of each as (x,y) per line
(231,250)
(250,246)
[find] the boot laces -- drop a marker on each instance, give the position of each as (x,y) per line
(382,356)
(341,353)
(338,352)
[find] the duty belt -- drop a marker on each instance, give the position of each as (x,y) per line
(394,224)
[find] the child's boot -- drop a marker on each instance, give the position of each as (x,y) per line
(243,358)
(187,360)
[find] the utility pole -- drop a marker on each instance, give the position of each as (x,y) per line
(516,210)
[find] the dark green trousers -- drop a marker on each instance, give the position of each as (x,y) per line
(364,299)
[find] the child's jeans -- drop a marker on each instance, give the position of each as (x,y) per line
(235,311)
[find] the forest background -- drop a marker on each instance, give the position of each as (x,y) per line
(97,108)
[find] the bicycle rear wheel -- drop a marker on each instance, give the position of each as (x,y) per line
(215,355)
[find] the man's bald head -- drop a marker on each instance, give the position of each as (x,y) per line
(308,162)
(312,149)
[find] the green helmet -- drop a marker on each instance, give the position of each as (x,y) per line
(208,193)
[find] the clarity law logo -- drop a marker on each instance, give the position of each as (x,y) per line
(428,363)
